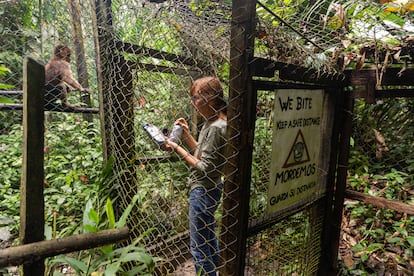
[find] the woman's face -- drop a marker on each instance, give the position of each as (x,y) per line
(200,102)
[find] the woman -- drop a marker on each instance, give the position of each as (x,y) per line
(206,159)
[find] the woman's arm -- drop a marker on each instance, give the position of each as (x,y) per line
(186,137)
(190,159)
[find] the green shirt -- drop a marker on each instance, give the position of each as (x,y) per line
(210,151)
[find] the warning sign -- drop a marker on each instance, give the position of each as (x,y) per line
(295,147)
(298,152)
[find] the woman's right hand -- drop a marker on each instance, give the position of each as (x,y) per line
(186,137)
(183,123)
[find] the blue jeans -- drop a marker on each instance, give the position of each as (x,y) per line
(203,241)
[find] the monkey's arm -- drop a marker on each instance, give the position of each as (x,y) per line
(67,77)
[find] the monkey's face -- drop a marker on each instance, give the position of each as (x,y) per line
(63,52)
(67,57)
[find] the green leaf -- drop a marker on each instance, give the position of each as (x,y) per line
(137,270)
(79,266)
(364,257)
(93,216)
(410,240)
(86,219)
(402,231)
(125,214)
(106,249)
(394,240)
(5,99)
(375,246)
(110,213)
(140,257)
(107,170)
(112,269)
(4,70)
(352,142)
(90,228)
(358,247)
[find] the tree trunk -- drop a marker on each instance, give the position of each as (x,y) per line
(75,19)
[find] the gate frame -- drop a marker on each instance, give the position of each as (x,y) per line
(243,67)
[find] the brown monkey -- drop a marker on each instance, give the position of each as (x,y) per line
(59,77)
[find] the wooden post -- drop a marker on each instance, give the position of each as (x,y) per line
(116,105)
(240,134)
(32,202)
(333,229)
(338,96)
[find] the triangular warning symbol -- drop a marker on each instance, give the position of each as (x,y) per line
(298,153)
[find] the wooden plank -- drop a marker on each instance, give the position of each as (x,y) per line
(142,50)
(37,251)
(309,75)
(273,85)
(261,67)
(384,93)
(101,21)
(165,69)
(70,109)
(362,77)
(394,93)
(32,215)
(380,202)
(11,106)
(326,267)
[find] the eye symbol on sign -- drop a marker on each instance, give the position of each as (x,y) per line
(298,153)
(298,150)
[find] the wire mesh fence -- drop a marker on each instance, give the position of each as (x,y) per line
(157,93)
(380,165)
(139,60)
(292,246)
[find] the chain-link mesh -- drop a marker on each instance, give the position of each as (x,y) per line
(298,35)
(380,165)
(143,56)
(150,71)
(292,246)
